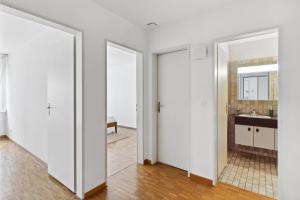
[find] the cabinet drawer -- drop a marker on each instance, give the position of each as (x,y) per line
(264,137)
(244,135)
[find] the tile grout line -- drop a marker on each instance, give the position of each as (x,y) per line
(244,159)
(248,173)
(236,170)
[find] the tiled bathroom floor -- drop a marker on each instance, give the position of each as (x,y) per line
(251,172)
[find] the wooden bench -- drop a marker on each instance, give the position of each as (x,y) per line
(111,122)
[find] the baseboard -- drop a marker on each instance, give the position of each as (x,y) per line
(201,180)
(95,190)
(147,162)
(128,127)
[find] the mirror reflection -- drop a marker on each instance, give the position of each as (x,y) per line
(257,82)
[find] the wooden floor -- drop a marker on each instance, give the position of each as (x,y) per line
(122,153)
(22,177)
(164,182)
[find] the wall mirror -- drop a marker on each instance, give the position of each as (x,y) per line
(258,82)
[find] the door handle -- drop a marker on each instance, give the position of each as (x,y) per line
(159,106)
(49,108)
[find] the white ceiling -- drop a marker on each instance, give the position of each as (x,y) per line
(142,12)
(15,32)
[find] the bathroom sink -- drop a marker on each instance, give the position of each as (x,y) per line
(255,116)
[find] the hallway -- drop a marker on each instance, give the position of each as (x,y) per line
(22,176)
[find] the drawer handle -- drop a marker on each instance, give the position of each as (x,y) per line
(257,130)
(249,129)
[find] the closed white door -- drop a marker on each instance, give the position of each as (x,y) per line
(222,106)
(174,109)
(61,111)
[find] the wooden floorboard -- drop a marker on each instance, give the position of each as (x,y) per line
(122,153)
(22,177)
(164,182)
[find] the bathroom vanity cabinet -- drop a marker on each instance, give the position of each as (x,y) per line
(244,135)
(264,137)
(256,132)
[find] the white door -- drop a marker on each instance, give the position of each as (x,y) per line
(222,107)
(173,117)
(61,131)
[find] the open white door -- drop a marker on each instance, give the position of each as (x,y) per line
(61,111)
(173,87)
(222,106)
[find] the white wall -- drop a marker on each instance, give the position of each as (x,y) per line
(254,49)
(3,123)
(121,86)
(27,90)
(242,17)
(97,24)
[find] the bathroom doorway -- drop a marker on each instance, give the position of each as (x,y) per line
(247,111)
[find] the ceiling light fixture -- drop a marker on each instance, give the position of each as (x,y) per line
(259,68)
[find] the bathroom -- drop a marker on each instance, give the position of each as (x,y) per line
(251,101)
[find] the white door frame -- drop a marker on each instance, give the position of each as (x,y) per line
(154,114)
(140,95)
(216,42)
(78,147)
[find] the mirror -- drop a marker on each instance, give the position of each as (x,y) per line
(257,82)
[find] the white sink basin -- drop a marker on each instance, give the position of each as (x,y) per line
(255,116)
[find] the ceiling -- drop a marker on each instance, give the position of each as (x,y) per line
(16,32)
(142,12)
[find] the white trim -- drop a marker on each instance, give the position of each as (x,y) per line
(140,106)
(79,116)
(153,111)
(216,42)
(140,95)
(78,87)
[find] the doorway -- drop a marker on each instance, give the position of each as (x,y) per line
(44,65)
(247,111)
(124,104)
(173,108)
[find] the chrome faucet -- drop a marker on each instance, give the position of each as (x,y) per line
(253,112)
